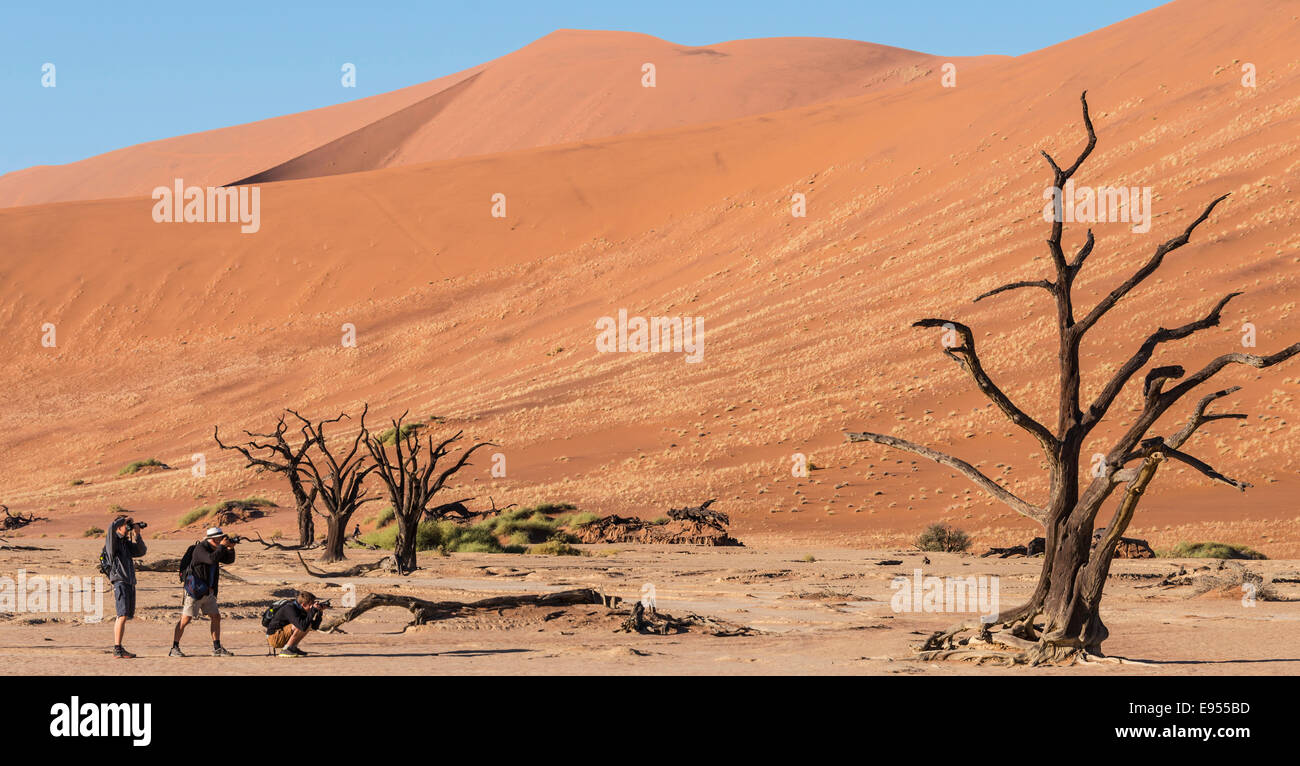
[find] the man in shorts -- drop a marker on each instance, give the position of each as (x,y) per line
(290,623)
(206,559)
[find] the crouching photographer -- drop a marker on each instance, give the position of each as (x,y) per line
(287,623)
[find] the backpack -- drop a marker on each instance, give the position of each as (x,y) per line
(104,567)
(195,587)
(269,613)
(185,563)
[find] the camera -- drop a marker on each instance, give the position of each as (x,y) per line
(139,524)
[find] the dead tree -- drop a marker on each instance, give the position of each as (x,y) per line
(412,479)
(1060,623)
(338,479)
(274,453)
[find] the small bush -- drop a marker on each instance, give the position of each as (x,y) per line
(385,517)
(1211,551)
(93,532)
(190,517)
(115,509)
(554,548)
(810,558)
(138,464)
(389,435)
(76,482)
(577,519)
(942,538)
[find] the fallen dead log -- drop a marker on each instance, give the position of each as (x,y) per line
(16,520)
(174,566)
(5,545)
(701,514)
(1128,547)
(280,546)
(423,611)
(649,621)
(1034,548)
(387,563)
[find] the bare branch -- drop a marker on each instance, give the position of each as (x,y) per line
(965,356)
(1082,255)
(1187,459)
(1043,283)
(1147,270)
(1121,377)
(997,491)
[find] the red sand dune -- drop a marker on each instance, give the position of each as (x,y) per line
(919,198)
(569,86)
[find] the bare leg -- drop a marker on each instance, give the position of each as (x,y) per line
(119,628)
(216,628)
(298,635)
(180,629)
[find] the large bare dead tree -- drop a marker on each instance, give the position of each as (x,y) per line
(274,452)
(412,479)
(1061,623)
(338,478)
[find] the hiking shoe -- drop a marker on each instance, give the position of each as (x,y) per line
(176,652)
(291,651)
(221,651)
(122,654)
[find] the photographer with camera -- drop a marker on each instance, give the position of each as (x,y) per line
(201,576)
(123,544)
(287,623)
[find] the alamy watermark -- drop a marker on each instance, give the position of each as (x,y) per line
(214,204)
(53,595)
(683,335)
(946,594)
(1101,204)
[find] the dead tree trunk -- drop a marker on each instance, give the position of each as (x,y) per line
(1061,621)
(411,478)
(337,479)
(277,455)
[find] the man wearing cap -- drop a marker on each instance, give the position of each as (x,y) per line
(206,559)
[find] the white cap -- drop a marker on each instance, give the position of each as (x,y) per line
(215,532)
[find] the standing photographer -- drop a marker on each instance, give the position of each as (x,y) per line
(201,580)
(123,544)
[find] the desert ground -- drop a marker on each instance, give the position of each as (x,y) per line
(812,611)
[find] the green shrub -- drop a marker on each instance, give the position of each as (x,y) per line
(93,532)
(943,539)
(1211,551)
(554,548)
(190,517)
(508,532)
(76,482)
(389,435)
(385,517)
(138,464)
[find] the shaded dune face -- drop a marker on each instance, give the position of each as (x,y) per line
(919,198)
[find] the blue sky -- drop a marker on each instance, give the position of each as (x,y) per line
(128,72)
